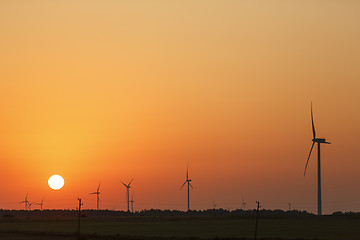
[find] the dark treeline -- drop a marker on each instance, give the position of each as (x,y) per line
(149,213)
(159,213)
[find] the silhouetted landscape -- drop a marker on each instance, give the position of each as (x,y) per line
(173,224)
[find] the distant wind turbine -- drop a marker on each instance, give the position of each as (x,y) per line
(30,204)
(318,141)
(132,203)
(26,202)
(97,196)
(214,204)
(127,193)
(41,204)
(187,181)
(243,204)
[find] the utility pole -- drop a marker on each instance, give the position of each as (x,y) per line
(79,199)
(257,216)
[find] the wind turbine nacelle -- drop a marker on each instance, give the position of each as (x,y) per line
(320,140)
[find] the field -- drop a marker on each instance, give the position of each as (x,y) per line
(325,227)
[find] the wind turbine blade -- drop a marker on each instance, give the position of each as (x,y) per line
(124,184)
(183,185)
(187,171)
(309,157)
(98,187)
(130,182)
(312,123)
(191,185)
(93,193)
(132,197)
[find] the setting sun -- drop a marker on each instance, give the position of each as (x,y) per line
(56,182)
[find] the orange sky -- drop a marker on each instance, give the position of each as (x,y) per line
(114,90)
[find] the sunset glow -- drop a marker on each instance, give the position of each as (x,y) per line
(109,92)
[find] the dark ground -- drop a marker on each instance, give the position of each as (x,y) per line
(185,226)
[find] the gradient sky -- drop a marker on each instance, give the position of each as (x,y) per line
(114,90)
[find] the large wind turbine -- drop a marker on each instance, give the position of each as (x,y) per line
(318,141)
(127,194)
(97,196)
(26,202)
(187,181)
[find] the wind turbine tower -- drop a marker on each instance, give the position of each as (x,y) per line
(187,181)
(127,194)
(41,204)
(26,202)
(132,203)
(97,196)
(243,204)
(214,204)
(319,141)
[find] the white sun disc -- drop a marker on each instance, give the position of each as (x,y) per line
(56,182)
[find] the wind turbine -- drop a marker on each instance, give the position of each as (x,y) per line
(214,204)
(97,196)
(243,204)
(26,202)
(319,141)
(29,204)
(127,193)
(41,204)
(187,181)
(132,203)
